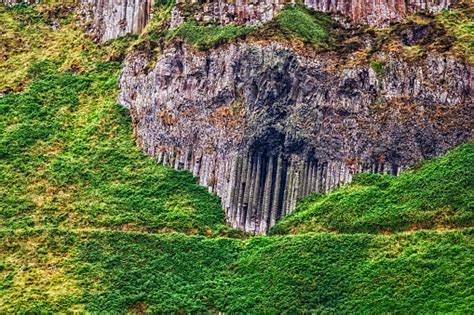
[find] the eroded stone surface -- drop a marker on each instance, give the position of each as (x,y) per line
(107,19)
(242,12)
(263,126)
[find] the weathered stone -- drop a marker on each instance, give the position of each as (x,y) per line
(262,126)
(107,19)
(242,12)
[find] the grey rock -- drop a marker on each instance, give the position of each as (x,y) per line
(370,12)
(262,126)
(110,19)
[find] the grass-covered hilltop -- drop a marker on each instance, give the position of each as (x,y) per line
(90,224)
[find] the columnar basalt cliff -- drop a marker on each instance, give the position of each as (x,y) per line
(110,19)
(243,12)
(263,126)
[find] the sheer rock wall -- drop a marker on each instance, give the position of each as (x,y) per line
(263,126)
(109,19)
(247,12)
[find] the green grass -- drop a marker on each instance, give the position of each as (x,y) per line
(292,23)
(206,37)
(298,22)
(439,194)
(67,156)
(97,271)
(460,25)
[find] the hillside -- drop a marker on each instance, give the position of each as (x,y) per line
(91,224)
(97,271)
(68,158)
(436,195)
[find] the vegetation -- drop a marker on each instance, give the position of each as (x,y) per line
(67,156)
(83,213)
(438,194)
(300,23)
(98,271)
(460,24)
(377,67)
(205,37)
(292,23)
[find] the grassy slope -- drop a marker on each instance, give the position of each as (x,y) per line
(66,150)
(115,271)
(438,194)
(71,176)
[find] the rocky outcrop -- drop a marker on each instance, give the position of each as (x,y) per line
(263,126)
(243,12)
(107,19)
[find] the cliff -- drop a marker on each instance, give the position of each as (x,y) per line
(110,19)
(264,121)
(242,12)
(262,125)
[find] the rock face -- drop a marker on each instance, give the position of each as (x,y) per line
(263,126)
(243,12)
(110,19)
(107,19)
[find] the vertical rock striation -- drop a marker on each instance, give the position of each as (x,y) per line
(262,126)
(109,19)
(243,12)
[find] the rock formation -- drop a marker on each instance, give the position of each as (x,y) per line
(110,19)
(263,126)
(107,19)
(246,12)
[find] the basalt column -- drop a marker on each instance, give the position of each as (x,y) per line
(110,19)
(262,126)
(371,12)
